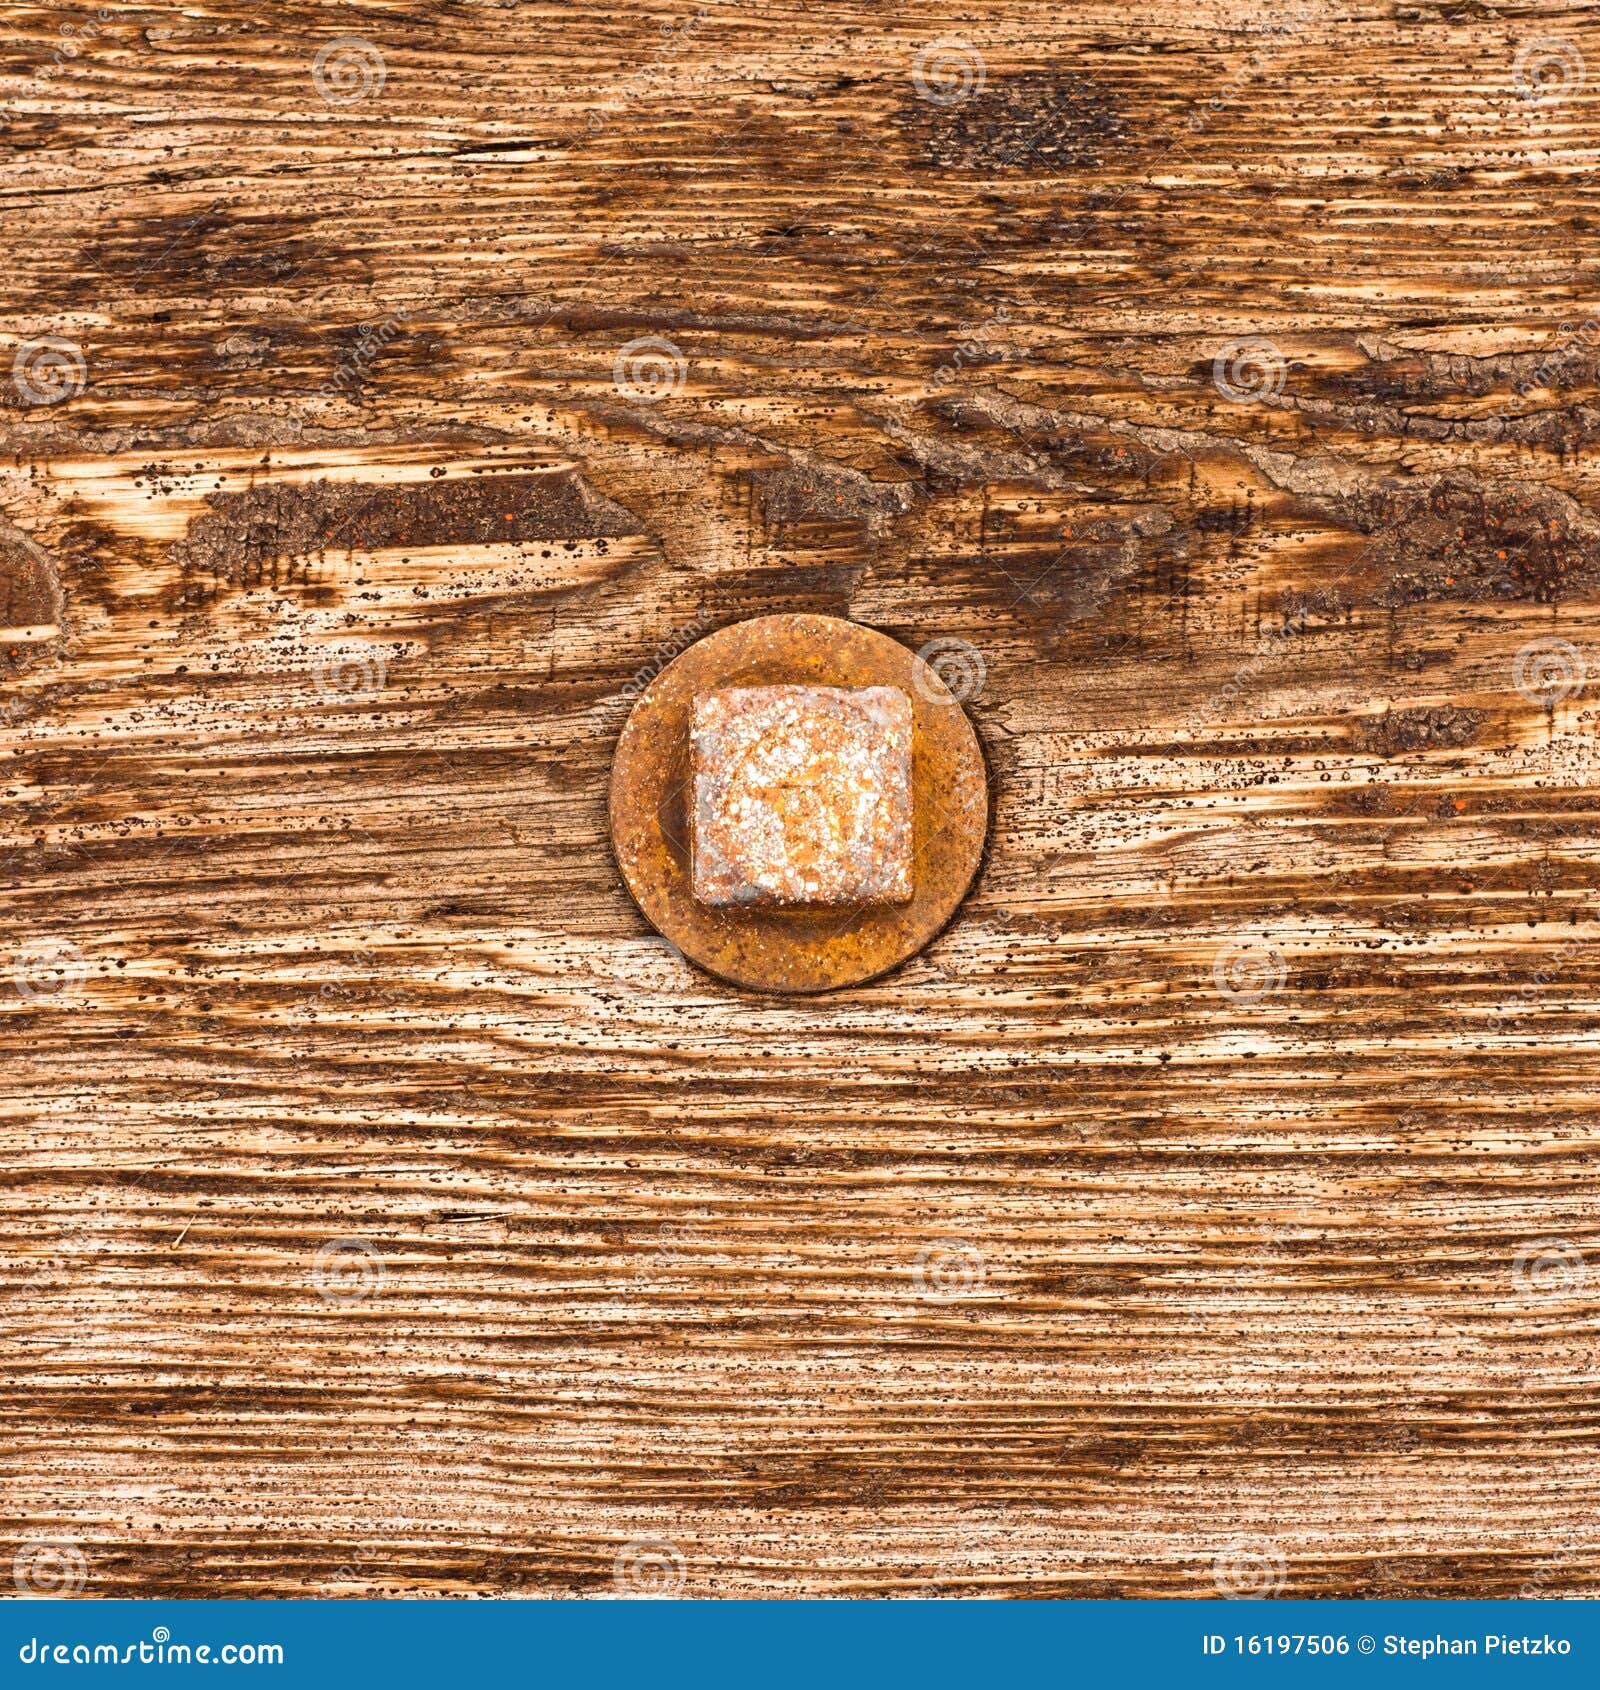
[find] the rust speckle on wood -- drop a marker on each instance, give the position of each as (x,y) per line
(30,602)
(247,535)
(1443,728)
(1047,124)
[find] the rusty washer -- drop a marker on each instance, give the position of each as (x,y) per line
(765,767)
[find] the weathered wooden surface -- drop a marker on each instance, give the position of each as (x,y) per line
(385,1211)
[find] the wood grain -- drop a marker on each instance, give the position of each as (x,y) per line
(1214,1205)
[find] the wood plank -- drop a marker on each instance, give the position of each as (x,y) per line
(1212,1206)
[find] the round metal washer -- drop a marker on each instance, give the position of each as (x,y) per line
(802,949)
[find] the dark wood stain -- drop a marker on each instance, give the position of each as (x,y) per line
(267,526)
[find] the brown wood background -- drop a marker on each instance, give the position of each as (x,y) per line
(1214,1204)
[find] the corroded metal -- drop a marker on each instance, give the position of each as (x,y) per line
(811,946)
(802,795)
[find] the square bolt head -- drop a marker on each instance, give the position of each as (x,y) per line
(802,795)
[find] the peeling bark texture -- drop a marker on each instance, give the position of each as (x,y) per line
(390,391)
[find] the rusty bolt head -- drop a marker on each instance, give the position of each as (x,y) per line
(796,805)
